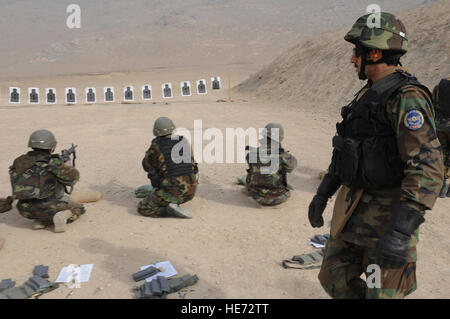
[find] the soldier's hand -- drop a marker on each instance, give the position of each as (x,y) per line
(316,209)
(392,250)
(68,162)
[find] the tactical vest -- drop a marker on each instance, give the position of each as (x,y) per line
(31,178)
(443,111)
(365,153)
(174,169)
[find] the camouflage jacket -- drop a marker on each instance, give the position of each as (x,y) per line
(40,175)
(155,164)
(419,149)
(275,182)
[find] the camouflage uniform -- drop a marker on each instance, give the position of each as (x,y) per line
(409,113)
(38,180)
(269,189)
(176,189)
(443,123)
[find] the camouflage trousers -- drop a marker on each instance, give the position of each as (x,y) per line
(444,139)
(151,205)
(44,210)
(269,199)
(348,256)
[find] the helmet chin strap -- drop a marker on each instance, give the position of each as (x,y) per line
(362,71)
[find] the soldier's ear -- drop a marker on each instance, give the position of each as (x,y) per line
(375,55)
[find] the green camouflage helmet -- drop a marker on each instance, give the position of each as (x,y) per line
(163,126)
(390,34)
(268,132)
(42,139)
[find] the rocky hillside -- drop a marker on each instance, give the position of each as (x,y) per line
(316,74)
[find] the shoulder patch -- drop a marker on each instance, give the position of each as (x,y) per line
(414,120)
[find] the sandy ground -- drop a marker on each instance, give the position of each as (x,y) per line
(233,246)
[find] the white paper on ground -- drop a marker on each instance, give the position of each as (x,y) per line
(84,272)
(65,275)
(317,245)
(168,268)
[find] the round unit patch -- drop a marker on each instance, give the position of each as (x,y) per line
(414,120)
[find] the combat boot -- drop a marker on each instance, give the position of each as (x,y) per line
(60,220)
(177,211)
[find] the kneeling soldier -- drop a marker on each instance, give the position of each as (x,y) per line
(267,185)
(39,180)
(172,171)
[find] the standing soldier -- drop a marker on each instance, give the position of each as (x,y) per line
(174,179)
(441,99)
(269,188)
(39,180)
(388,159)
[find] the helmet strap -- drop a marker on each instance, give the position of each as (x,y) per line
(362,71)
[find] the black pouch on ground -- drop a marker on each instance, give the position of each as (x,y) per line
(176,284)
(41,271)
(150,271)
(38,283)
(6,204)
(160,287)
(6,284)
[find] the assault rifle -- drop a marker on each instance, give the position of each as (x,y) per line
(65,156)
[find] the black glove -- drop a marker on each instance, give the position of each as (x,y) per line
(316,209)
(392,247)
(327,188)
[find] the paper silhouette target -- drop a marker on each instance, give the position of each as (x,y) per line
(185,88)
(71,96)
(201,86)
(167,91)
(215,83)
(14,95)
(146,92)
(128,93)
(33,95)
(91,95)
(50,96)
(108,93)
